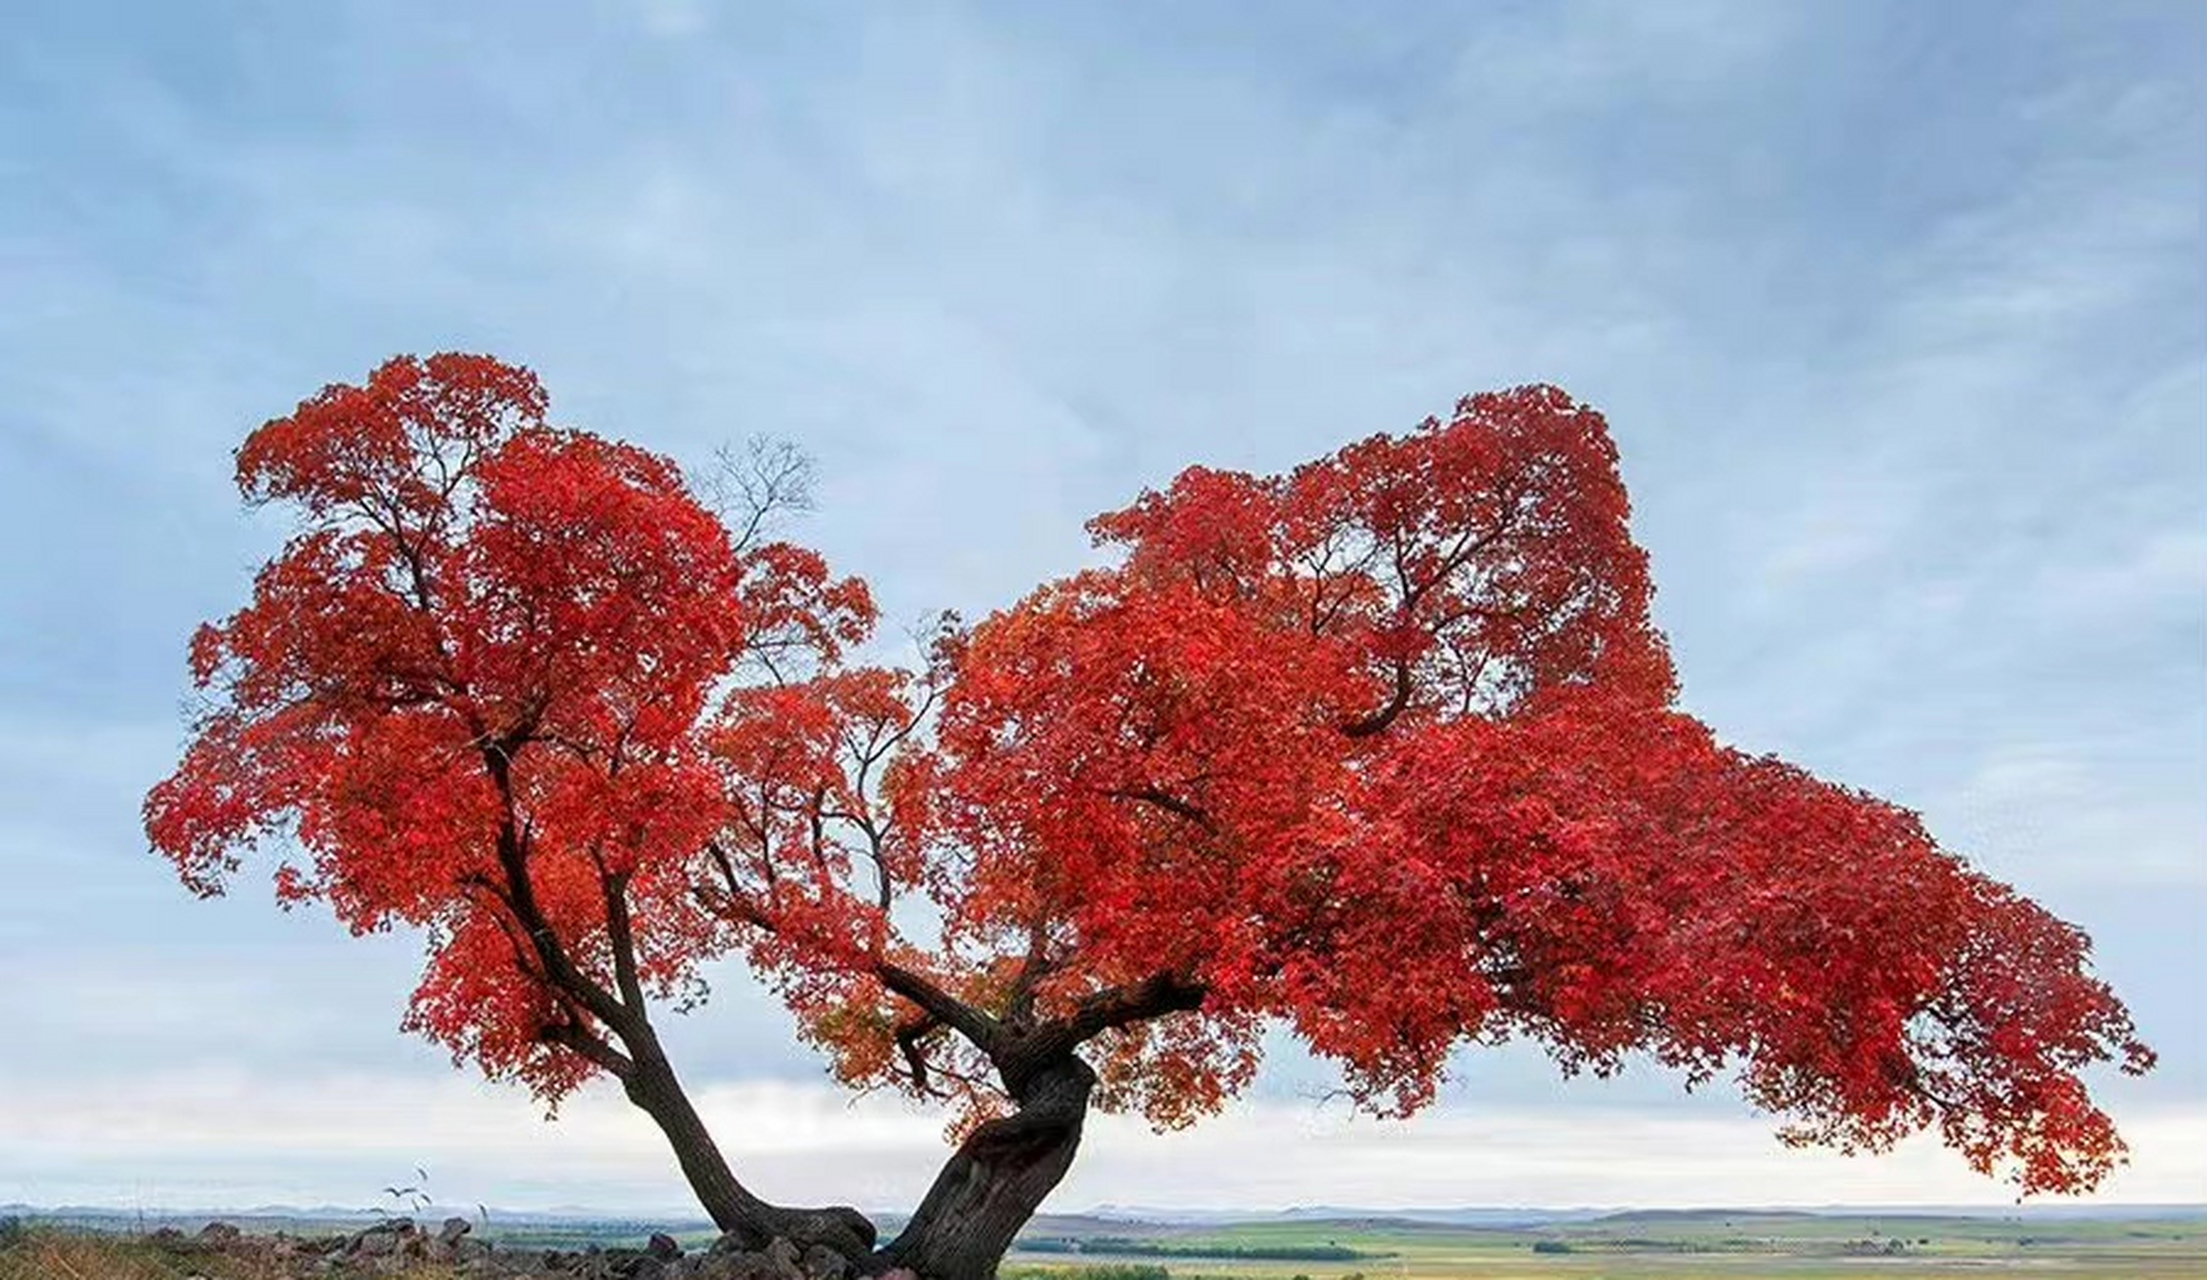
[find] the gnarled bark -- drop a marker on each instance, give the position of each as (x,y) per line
(997,1178)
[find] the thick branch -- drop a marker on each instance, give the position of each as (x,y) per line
(571,1035)
(1152,997)
(622,935)
(915,1054)
(984,1031)
(1020,1007)
(1116,1007)
(520,894)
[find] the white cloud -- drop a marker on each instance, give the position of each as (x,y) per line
(230,1137)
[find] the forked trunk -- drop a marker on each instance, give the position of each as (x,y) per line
(653,1087)
(996,1179)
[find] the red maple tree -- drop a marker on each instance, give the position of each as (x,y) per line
(1384,750)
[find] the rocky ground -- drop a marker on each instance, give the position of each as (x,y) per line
(402,1248)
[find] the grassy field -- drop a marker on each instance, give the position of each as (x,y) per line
(1798,1246)
(1725,1245)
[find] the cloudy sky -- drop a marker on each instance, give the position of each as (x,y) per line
(1896,310)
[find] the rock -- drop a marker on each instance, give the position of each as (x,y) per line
(663,1247)
(822,1263)
(735,1265)
(453,1229)
(607,1264)
(219,1233)
(738,1240)
(784,1255)
(168,1236)
(899,1273)
(375,1242)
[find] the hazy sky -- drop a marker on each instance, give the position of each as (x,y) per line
(1896,310)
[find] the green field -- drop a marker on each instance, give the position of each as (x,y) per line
(1720,1244)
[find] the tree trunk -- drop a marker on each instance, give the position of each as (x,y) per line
(996,1179)
(653,1087)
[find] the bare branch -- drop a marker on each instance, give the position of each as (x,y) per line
(755,487)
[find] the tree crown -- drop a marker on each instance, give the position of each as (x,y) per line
(1384,749)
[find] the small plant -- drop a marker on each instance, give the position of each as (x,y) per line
(12,1233)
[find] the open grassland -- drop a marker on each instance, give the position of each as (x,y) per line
(1741,1245)
(1679,1246)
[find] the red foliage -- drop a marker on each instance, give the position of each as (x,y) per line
(1384,750)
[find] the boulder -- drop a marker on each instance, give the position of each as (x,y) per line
(822,1263)
(663,1247)
(453,1229)
(735,1265)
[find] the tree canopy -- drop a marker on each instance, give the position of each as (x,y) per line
(1385,750)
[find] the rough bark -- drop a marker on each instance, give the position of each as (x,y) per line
(997,1178)
(652,1086)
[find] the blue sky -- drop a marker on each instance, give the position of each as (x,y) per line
(1896,310)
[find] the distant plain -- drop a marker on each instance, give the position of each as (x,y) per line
(1734,1244)
(1727,1243)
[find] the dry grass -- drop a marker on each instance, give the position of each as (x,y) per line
(40,1254)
